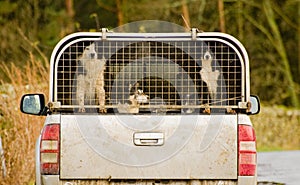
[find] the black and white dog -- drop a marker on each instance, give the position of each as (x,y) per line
(90,83)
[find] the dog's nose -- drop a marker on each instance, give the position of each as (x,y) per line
(93,55)
(207,56)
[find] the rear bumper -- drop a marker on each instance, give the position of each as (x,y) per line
(149,182)
(50,180)
(54,180)
(247,180)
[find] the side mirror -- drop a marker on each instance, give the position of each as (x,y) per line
(33,104)
(255,105)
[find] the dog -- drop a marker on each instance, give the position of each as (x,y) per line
(209,76)
(90,79)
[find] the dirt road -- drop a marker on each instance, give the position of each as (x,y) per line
(279,167)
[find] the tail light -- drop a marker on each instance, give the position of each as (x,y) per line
(49,149)
(247,151)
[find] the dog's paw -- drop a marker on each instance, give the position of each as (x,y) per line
(103,110)
(81,109)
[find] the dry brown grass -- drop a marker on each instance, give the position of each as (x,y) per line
(19,131)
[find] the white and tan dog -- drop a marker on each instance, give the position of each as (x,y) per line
(209,76)
(90,84)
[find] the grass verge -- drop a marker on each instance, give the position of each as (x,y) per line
(277,128)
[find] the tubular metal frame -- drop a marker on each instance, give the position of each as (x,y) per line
(214,73)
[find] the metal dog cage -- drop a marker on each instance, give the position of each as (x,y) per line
(149,72)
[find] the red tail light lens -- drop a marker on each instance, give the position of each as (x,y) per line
(49,149)
(247,151)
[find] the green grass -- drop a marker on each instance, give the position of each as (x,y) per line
(277,128)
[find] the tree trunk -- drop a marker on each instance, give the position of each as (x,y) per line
(69,8)
(240,19)
(70,13)
(120,12)
(221,16)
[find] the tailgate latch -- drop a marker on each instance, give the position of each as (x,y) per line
(148,138)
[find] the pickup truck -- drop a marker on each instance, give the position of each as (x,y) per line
(146,103)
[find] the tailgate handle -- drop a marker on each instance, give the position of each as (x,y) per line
(148,139)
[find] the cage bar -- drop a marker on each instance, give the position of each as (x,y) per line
(135,75)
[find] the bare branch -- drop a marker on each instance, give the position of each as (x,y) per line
(185,14)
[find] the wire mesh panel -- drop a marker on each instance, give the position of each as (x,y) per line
(149,76)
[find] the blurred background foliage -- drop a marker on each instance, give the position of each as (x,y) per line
(269,29)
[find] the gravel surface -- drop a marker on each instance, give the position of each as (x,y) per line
(279,167)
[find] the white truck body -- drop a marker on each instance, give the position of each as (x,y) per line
(162,108)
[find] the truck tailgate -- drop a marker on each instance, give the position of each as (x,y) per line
(148,147)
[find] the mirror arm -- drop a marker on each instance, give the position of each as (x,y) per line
(45,111)
(248,110)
